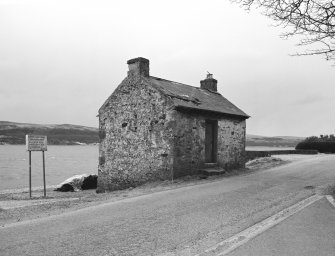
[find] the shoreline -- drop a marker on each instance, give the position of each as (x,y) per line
(79,144)
(26,189)
(259,164)
(17,206)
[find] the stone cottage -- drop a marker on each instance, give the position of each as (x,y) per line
(155,129)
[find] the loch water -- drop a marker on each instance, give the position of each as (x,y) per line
(62,162)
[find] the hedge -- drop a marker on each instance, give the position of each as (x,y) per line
(321,146)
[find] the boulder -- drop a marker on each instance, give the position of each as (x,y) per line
(90,182)
(78,182)
(65,188)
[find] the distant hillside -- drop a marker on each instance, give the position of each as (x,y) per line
(69,134)
(277,141)
(61,134)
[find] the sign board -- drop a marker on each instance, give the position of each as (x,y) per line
(36,143)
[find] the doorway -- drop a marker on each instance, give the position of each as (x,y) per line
(211,137)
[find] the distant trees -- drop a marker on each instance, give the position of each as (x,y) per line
(314,20)
(324,143)
(322,138)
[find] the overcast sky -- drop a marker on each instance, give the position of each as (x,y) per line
(60,60)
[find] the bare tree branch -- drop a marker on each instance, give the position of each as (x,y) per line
(313,19)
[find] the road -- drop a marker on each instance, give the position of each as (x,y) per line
(183,221)
(309,232)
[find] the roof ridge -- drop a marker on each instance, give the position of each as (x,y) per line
(158,78)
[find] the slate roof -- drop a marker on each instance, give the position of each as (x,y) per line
(190,97)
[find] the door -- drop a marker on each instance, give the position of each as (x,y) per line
(211,141)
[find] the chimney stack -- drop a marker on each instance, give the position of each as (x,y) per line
(138,66)
(209,83)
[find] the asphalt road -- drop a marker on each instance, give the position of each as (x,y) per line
(183,221)
(309,233)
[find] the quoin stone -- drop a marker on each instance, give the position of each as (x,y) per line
(155,129)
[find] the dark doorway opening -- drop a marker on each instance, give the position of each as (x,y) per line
(211,137)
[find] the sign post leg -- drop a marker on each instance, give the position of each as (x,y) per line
(29,173)
(45,193)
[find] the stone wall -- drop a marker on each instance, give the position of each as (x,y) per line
(231,143)
(136,134)
(250,155)
(189,142)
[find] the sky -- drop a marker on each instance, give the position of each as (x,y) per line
(60,60)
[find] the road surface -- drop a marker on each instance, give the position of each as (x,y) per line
(184,221)
(309,232)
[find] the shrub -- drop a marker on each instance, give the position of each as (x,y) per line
(321,146)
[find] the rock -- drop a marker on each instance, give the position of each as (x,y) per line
(90,182)
(65,188)
(78,182)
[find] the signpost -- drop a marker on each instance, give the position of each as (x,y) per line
(36,143)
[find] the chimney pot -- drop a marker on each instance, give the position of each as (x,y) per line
(138,66)
(209,76)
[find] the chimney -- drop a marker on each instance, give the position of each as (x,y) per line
(209,83)
(138,66)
